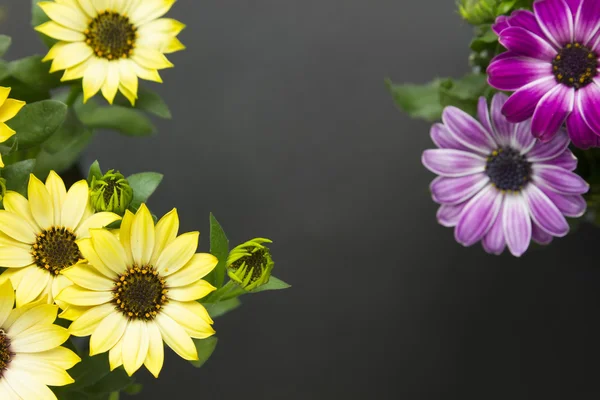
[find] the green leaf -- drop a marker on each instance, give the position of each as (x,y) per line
(487,39)
(148,101)
(17,175)
(38,17)
(464,93)
(4,70)
(125,120)
(113,382)
(133,389)
(273,284)
(418,101)
(37,121)
(143,185)
(89,371)
(95,172)
(5,42)
(222,307)
(219,247)
(205,348)
(35,73)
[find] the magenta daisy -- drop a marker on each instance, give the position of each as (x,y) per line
(552,65)
(498,184)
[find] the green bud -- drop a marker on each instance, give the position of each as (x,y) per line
(111,193)
(250,264)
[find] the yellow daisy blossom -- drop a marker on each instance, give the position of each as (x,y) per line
(8,109)
(30,354)
(140,289)
(38,236)
(110,43)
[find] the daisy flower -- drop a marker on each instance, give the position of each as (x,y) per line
(498,184)
(8,109)
(140,289)
(110,43)
(30,354)
(37,236)
(552,66)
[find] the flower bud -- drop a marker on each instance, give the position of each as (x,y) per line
(111,193)
(477,12)
(250,264)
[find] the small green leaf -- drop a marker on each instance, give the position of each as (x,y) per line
(143,185)
(273,284)
(133,389)
(38,17)
(4,70)
(464,93)
(17,175)
(95,172)
(89,371)
(125,120)
(113,382)
(34,73)
(148,101)
(5,42)
(419,101)
(37,121)
(219,247)
(222,307)
(205,348)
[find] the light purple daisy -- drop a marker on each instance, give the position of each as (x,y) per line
(498,184)
(552,65)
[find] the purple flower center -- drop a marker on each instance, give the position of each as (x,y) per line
(575,65)
(508,169)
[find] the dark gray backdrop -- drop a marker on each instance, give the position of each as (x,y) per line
(283,128)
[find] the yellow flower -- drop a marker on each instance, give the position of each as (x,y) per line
(8,109)
(37,236)
(110,43)
(140,289)
(30,354)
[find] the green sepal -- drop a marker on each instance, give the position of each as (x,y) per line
(219,247)
(418,101)
(38,17)
(221,308)
(143,185)
(5,42)
(17,175)
(36,122)
(94,172)
(148,101)
(121,119)
(205,348)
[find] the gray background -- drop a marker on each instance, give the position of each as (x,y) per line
(283,128)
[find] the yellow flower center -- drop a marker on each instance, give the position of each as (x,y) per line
(55,249)
(111,35)
(5,353)
(140,293)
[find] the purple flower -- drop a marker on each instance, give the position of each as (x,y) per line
(552,65)
(498,184)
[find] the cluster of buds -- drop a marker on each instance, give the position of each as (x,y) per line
(250,264)
(111,193)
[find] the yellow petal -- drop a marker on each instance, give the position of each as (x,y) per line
(128,77)
(77,71)
(108,333)
(33,283)
(195,326)
(156,352)
(39,338)
(150,58)
(132,97)
(166,231)
(15,257)
(70,312)
(59,32)
(59,282)
(66,16)
(94,78)
(176,337)
(87,323)
(10,108)
(25,387)
(58,192)
(88,7)
(109,249)
(59,356)
(194,291)
(197,268)
(7,301)
(41,314)
(88,278)
(84,297)
(68,55)
(18,204)
(148,74)
(102,5)
(169,26)
(115,355)
(4,92)
(16,227)
(74,205)
(142,236)
(94,261)
(125,235)
(149,10)
(135,346)
(172,46)
(40,203)
(111,84)
(6,132)
(177,253)
(48,374)
(98,220)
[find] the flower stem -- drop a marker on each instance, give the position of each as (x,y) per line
(73,94)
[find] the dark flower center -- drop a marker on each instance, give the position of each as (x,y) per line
(55,249)
(5,353)
(507,169)
(111,35)
(255,262)
(139,293)
(109,190)
(575,65)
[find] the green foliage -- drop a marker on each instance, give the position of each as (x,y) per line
(17,175)
(222,307)
(143,185)
(273,284)
(205,348)
(5,42)
(36,122)
(478,12)
(122,119)
(219,247)
(29,78)
(38,17)
(148,101)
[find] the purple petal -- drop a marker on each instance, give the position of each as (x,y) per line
(587,21)
(539,235)
(570,205)
(448,215)
(589,106)
(483,113)
(452,163)
(513,73)
(544,212)
(522,138)
(516,224)
(526,19)
(580,133)
(500,24)
(443,139)
(556,20)
(493,242)
(457,190)
(552,111)
(468,131)
(524,43)
(478,216)
(566,160)
(573,5)
(558,179)
(521,105)
(503,129)
(546,151)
